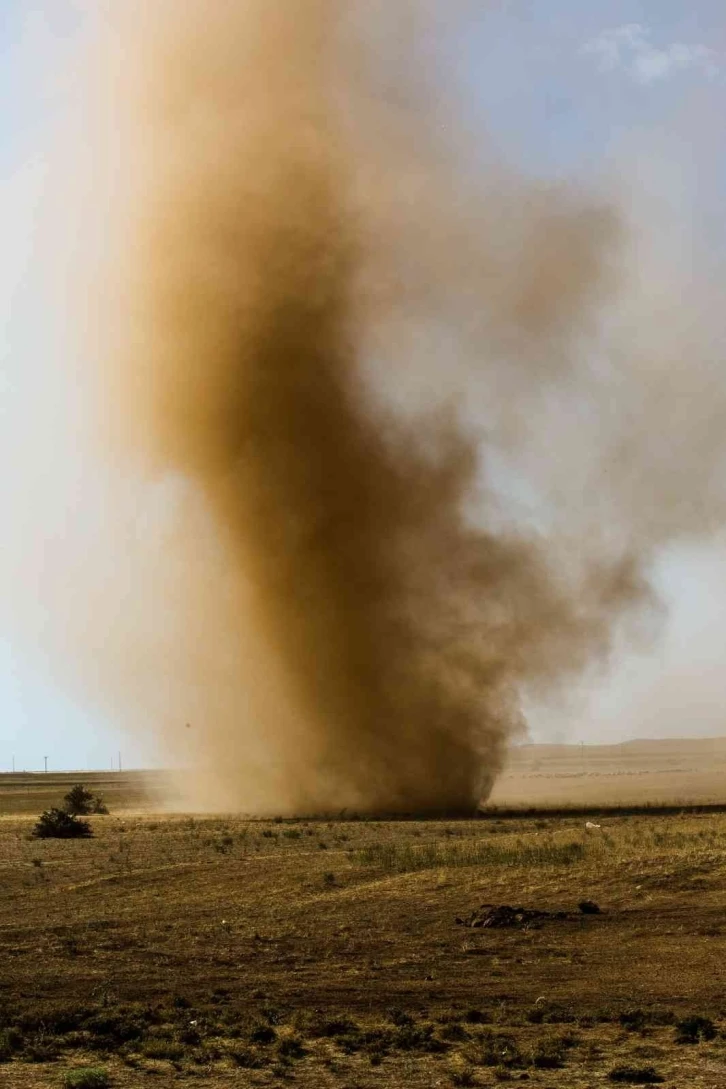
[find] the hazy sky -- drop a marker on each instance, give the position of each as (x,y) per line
(566,89)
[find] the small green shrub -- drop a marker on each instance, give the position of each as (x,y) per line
(332,1027)
(110,1029)
(546,1013)
(41,1049)
(692,1029)
(476,1017)
(245,1057)
(454,1032)
(163,1049)
(290,1047)
(190,1036)
(400,1017)
(57,824)
(461,1074)
(55,1020)
(88,1077)
(418,1038)
(633,1020)
(635,1075)
(550,1052)
(11,1041)
(263,1034)
(493,1049)
(80,802)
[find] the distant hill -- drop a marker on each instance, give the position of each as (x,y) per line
(660,770)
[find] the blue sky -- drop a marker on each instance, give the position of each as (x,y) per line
(566,89)
(561,82)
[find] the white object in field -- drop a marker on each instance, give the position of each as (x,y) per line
(589,824)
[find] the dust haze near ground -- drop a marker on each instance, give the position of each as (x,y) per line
(310,279)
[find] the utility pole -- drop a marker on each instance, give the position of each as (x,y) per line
(119,761)
(46,764)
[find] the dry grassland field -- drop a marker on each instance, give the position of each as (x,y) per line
(185,950)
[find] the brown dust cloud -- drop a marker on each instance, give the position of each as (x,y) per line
(393,400)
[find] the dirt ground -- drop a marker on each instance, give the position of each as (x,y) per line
(174,950)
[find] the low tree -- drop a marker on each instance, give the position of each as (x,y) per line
(58,824)
(80,802)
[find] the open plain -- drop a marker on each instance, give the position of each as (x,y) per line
(221,950)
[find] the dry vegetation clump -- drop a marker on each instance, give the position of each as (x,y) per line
(691,1030)
(94,1077)
(626,1073)
(394,857)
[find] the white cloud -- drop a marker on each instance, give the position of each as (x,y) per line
(629,48)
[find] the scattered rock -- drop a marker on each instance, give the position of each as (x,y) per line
(503,915)
(490,916)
